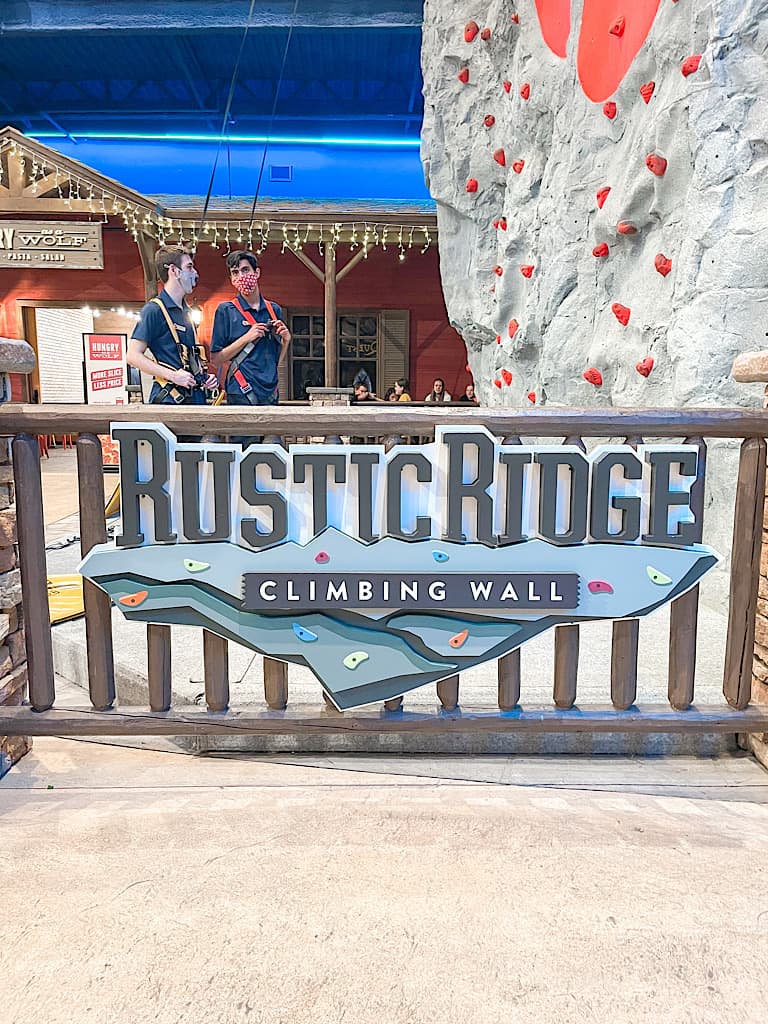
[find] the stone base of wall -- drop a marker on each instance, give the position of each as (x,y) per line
(13,654)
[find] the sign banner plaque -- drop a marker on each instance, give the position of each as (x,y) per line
(62,244)
(385,570)
(105,368)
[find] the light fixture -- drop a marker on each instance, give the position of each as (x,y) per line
(284,140)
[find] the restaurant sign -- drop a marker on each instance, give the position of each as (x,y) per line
(385,570)
(62,244)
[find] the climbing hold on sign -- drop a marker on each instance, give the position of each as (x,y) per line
(600,251)
(518,166)
(609,109)
(691,65)
(532,397)
(472,185)
(498,270)
(602,195)
(646,91)
(657,577)
(513,327)
(463,75)
(192,566)
(460,639)
(440,556)
(355,658)
(617,28)
(470,31)
(645,366)
(599,587)
(322,558)
(500,157)
(134,600)
(622,313)
(527,271)
(525,90)
(656,165)
(506,376)
(626,227)
(662,264)
(489,120)
(304,634)
(593,376)
(507,86)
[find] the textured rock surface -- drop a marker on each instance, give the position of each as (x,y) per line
(707,213)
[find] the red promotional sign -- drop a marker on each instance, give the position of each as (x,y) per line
(105,368)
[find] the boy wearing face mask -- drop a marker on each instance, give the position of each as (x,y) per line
(166,329)
(249,334)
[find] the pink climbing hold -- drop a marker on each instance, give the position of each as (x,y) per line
(646,91)
(626,227)
(691,65)
(518,166)
(527,271)
(463,75)
(525,91)
(656,165)
(489,120)
(507,377)
(593,376)
(601,251)
(617,28)
(645,366)
(622,313)
(498,270)
(485,35)
(470,31)
(532,397)
(599,587)
(602,195)
(507,86)
(500,157)
(472,185)
(322,557)
(513,327)
(609,109)
(662,264)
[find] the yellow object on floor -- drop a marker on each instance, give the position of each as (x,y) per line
(65,598)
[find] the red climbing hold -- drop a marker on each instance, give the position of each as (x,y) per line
(622,313)
(498,271)
(645,366)
(593,376)
(463,75)
(498,339)
(527,271)
(600,250)
(497,382)
(518,166)
(513,327)
(468,369)
(525,91)
(646,91)
(507,377)
(662,264)
(507,86)
(503,223)
(470,31)
(472,185)
(617,28)
(626,227)
(656,165)
(516,18)
(532,397)
(609,109)
(485,35)
(496,224)
(602,195)
(691,65)
(500,157)
(489,120)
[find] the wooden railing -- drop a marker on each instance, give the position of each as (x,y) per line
(386,422)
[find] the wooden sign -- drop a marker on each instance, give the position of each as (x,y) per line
(384,570)
(63,245)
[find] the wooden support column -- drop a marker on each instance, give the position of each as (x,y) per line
(331,340)
(147,246)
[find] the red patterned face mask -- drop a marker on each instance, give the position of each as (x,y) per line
(246,283)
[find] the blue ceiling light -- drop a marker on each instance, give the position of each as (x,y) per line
(285,140)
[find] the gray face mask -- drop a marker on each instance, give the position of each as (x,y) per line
(188,280)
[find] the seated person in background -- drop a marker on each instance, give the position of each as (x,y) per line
(469,395)
(389,395)
(362,394)
(401,390)
(361,377)
(438,392)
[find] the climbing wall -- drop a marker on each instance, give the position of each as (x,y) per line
(601,174)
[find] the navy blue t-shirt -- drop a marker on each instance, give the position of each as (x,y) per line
(260,366)
(153,330)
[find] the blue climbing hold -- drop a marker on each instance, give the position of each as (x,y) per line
(440,556)
(303,633)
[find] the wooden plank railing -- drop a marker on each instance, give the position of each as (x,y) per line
(392,424)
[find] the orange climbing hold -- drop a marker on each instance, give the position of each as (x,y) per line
(459,639)
(622,313)
(691,65)
(134,600)
(602,195)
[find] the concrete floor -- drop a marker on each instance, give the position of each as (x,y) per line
(143,885)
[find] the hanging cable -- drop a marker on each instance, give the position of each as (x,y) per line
(272,115)
(225,119)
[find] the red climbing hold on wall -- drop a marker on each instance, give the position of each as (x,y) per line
(527,271)
(518,166)
(513,327)
(503,223)
(468,368)
(489,120)
(662,264)
(617,28)
(600,250)
(691,65)
(470,31)
(507,376)
(498,270)
(656,165)
(645,366)
(516,18)
(593,376)
(602,195)
(532,397)
(485,35)
(646,91)
(525,91)
(472,185)
(498,339)
(500,157)
(507,86)
(622,313)
(626,227)
(497,382)
(463,75)
(609,109)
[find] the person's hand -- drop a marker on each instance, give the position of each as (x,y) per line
(281,330)
(211,382)
(255,333)
(183,378)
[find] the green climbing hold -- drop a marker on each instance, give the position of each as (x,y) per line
(355,659)
(657,577)
(192,566)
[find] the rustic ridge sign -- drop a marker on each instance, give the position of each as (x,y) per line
(63,244)
(382,571)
